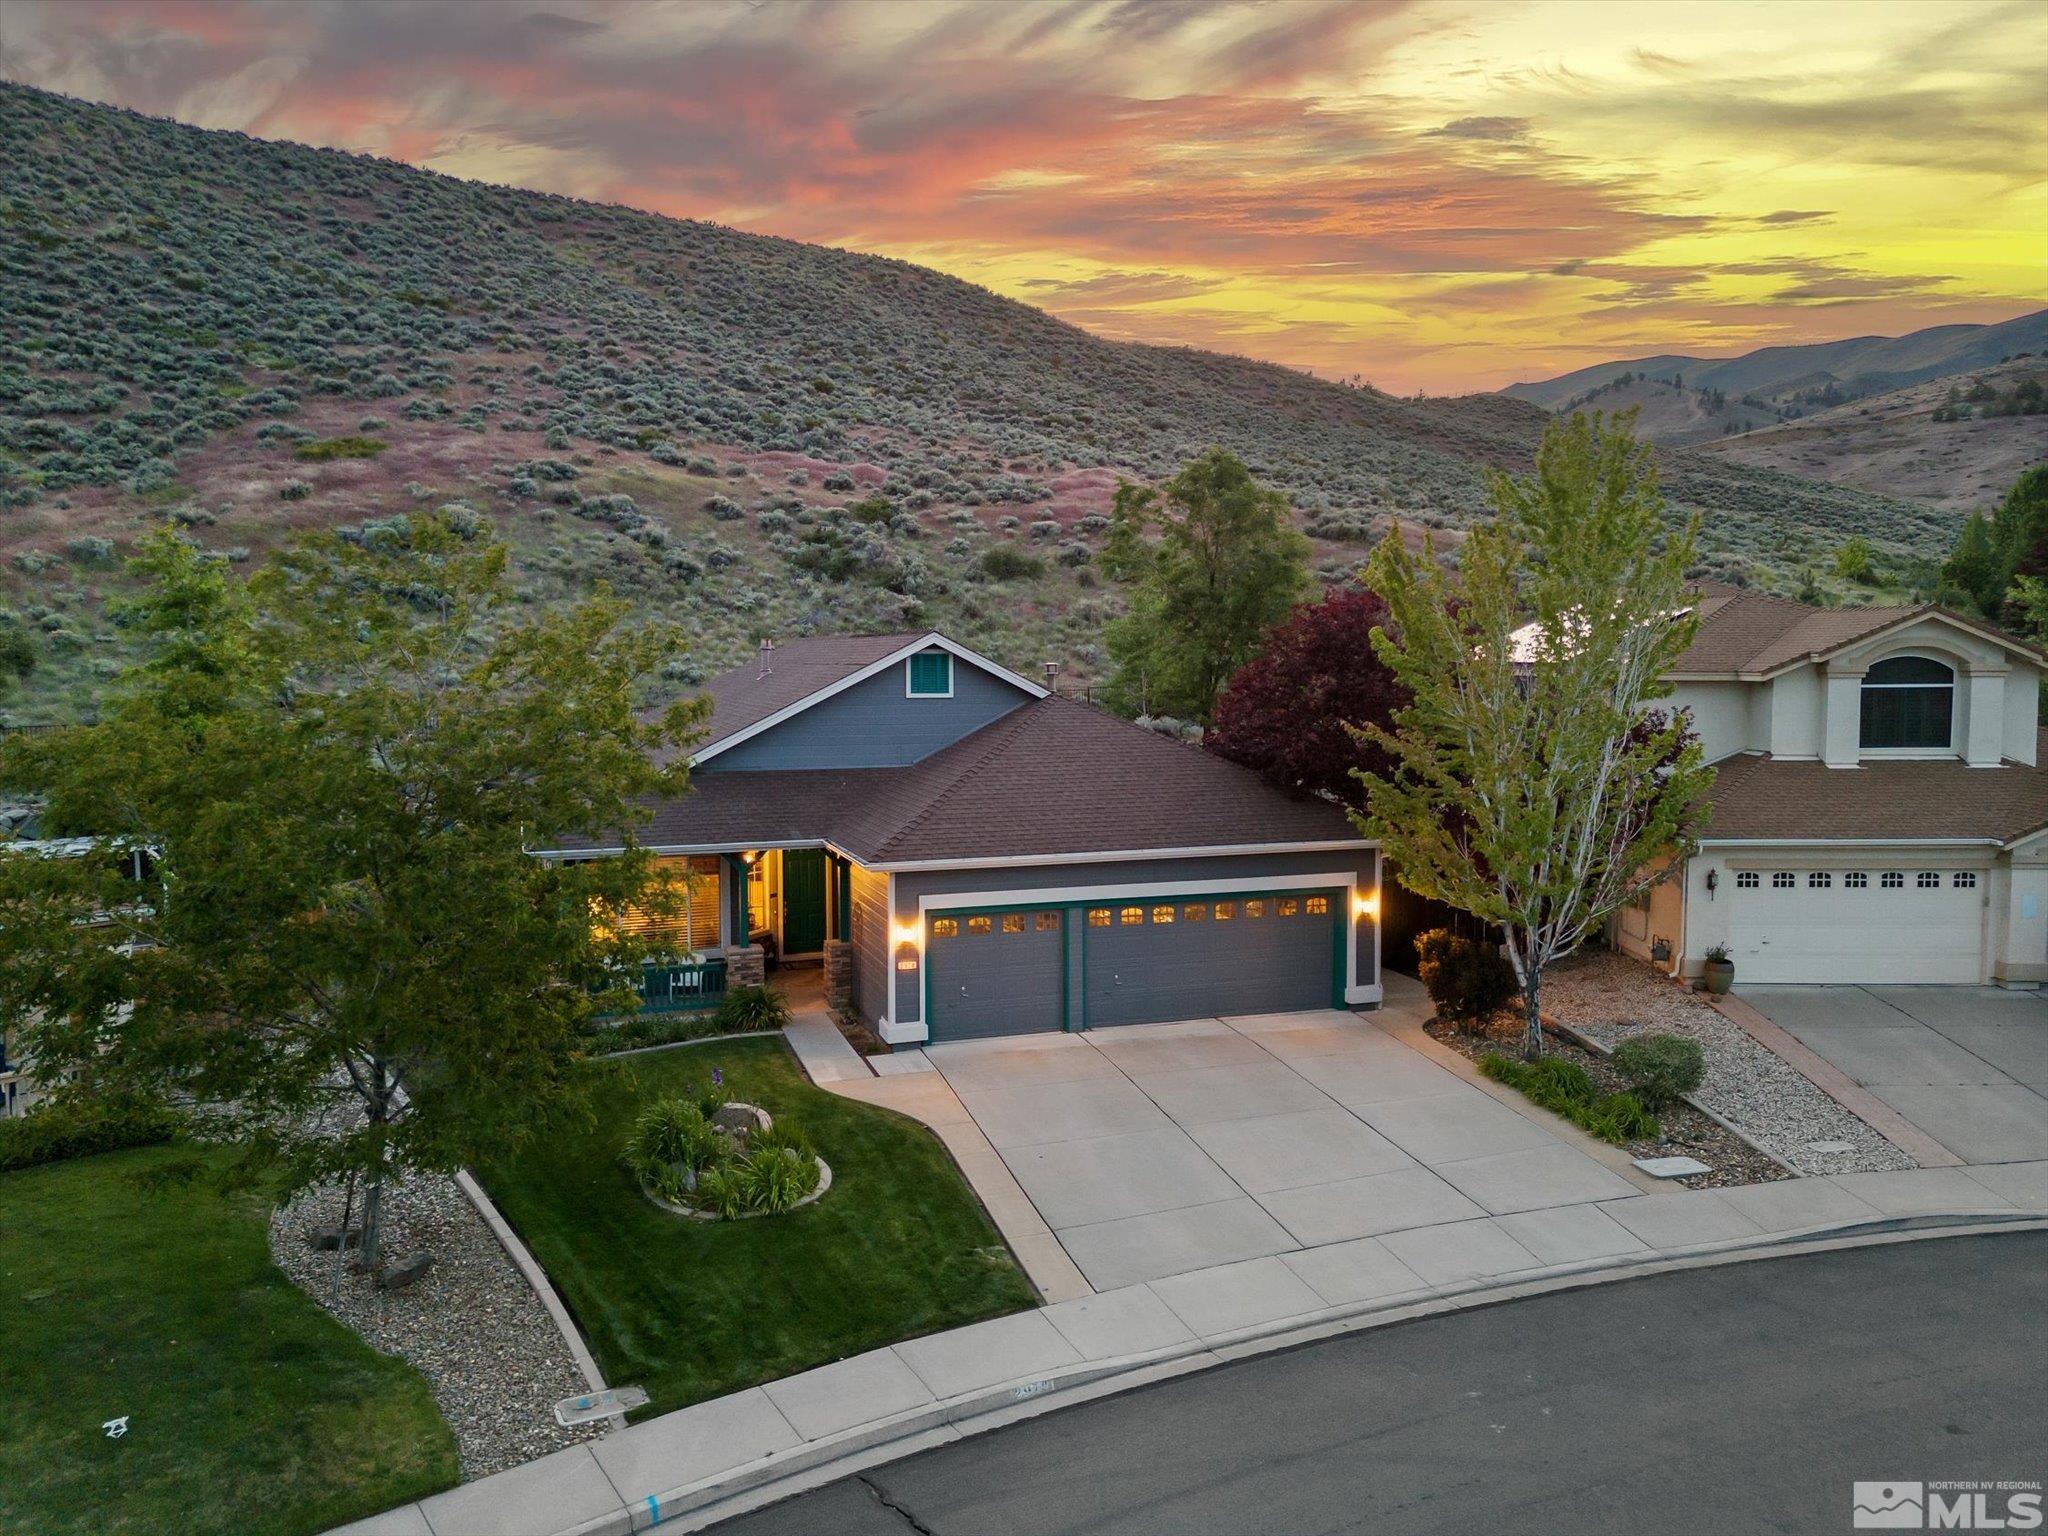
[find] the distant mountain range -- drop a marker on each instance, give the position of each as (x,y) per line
(1818,375)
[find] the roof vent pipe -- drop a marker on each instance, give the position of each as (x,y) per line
(1052,677)
(767,657)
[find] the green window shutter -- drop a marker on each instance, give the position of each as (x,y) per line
(931,674)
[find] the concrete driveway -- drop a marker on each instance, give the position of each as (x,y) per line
(1968,1065)
(1156,1149)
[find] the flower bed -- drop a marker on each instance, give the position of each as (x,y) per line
(710,1158)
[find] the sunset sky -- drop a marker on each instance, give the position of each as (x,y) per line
(1440,195)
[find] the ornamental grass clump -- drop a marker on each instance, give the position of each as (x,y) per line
(1564,1088)
(1660,1068)
(699,1151)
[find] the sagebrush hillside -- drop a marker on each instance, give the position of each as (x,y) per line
(1955,443)
(746,435)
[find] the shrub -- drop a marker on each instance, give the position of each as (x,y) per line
(748,1009)
(294,490)
(1563,1088)
(1006,562)
(340,448)
(675,1132)
(1467,979)
(776,1178)
(1660,1068)
(66,1128)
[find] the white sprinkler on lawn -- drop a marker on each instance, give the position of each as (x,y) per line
(116,1428)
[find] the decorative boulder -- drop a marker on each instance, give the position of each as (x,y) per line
(328,1236)
(406,1272)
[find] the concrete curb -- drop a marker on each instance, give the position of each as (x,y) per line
(529,1267)
(592,1503)
(1835,1083)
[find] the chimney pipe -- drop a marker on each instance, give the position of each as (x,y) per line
(1052,677)
(767,658)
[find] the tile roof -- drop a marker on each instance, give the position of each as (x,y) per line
(1757,796)
(742,697)
(1052,777)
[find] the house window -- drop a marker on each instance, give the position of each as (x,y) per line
(1928,880)
(1013,922)
(1819,881)
(1748,880)
(1098,917)
(1892,880)
(1195,912)
(1856,880)
(931,675)
(1130,917)
(1966,880)
(1048,922)
(1162,914)
(1255,909)
(1318,906)
(1783,880)
(977,925)
(945,927)
(1909,702)
(1287,906)
(1225,911)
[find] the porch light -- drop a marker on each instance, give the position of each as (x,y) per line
(1365,904)
(907,933)
(749,856)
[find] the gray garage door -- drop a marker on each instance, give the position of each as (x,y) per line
(994,973)
(1184,959)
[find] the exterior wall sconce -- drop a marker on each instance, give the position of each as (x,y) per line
(906,936)
(1713,879)
(1366,904)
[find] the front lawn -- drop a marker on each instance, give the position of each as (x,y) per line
(249,1409)
(690,1310)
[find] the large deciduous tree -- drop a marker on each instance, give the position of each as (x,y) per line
(1227,565)
(1291,710)
(348,960)
(1531,785)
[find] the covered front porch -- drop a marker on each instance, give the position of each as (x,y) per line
(749,913)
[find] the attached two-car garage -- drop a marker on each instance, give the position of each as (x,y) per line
(1874,925)
(1096,963)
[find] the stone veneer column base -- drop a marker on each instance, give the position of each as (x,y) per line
(839,975)
(746,965)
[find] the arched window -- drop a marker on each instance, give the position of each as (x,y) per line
(1909,702)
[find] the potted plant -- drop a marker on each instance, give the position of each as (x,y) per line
(1719,973)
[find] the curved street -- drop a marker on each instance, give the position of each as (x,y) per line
(1743,1398)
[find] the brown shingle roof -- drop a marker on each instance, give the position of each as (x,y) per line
(1752,634)
(1756,796)
(1049,778)
(742,697)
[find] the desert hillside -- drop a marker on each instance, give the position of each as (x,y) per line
(743,434)
(1931,442)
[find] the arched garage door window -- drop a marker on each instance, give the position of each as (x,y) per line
(1909,702)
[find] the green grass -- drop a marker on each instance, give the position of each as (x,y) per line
(689,1310)
(340,448)
(250,1410)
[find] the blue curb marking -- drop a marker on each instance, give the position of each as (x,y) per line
(653,1510)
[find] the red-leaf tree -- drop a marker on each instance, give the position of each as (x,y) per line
(1288,711)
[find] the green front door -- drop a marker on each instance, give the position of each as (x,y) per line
(803,901)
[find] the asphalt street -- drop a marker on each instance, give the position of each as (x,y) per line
(1744,1398)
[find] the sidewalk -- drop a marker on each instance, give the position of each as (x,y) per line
(891,1402)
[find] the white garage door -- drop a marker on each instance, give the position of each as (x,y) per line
(1875,925)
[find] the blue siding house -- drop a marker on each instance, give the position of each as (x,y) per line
(969,854)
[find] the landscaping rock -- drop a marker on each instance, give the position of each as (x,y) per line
(406,1273)
(470,1324)
(328,1236)
(1608,998)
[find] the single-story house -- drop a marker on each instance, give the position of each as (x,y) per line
(970,854)
(1881,808)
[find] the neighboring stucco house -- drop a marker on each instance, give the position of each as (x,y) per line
(971,855)
(1880,812)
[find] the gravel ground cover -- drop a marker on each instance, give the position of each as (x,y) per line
(1683,1130)
(1608,997)
(472,1325)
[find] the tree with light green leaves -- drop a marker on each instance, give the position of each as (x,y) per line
(345,957)
(1532,783)
(1227,565)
